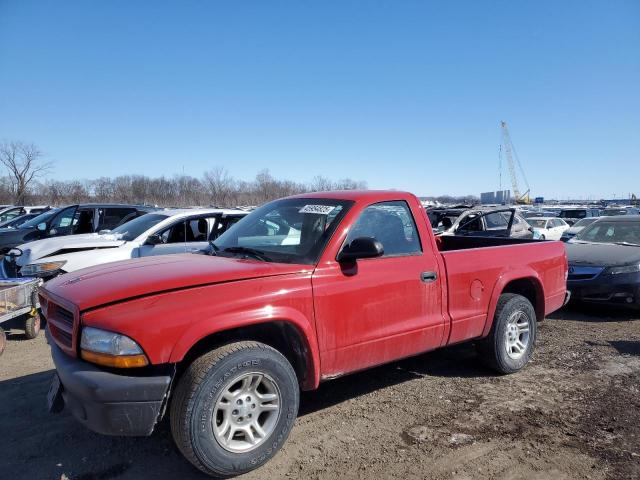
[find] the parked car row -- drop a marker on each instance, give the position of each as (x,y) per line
(603,245)
(157,233)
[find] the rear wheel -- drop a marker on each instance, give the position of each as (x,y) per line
(32,326)
(542,237)
(234,407)
(509,346)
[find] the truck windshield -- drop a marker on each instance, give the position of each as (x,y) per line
(293,230)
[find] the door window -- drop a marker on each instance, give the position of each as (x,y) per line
(392,224)
(223,224)
(63,221)
(83,221)
(110,218)
(193,230)
(10,214)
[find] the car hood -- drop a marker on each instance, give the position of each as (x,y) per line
(601,254)
(13,236)
(118,281)
(51,246)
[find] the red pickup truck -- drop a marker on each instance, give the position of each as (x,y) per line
(302,290)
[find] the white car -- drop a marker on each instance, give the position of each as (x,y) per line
(162,232)
(548,228)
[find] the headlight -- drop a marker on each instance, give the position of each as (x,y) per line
(42,269)
(110,349)
(625,269)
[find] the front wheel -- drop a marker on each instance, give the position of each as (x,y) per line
(509,346)
(234,408)
(542,237)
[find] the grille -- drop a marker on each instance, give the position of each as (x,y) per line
(61,325)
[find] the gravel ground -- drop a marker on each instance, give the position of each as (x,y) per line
(573,413)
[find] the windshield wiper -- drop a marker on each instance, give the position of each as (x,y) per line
(214,248)
(258,254)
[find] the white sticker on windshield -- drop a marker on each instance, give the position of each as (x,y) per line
(317,209)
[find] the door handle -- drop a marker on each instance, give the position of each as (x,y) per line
(428,277)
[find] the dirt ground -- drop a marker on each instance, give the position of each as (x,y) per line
(573,413)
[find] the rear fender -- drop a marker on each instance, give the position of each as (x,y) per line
(525,273)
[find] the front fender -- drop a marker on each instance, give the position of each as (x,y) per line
(204,328)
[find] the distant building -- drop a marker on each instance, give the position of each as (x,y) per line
(499,197)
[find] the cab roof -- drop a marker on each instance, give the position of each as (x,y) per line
(359,195)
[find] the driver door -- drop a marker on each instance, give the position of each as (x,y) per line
(62,223)
(383,308)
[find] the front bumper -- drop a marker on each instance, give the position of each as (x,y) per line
(623,289)
(110,403)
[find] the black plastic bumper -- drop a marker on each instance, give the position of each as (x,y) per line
(110,403)
(623,289)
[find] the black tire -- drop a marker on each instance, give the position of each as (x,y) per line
(542,237)
(198,391)
(32,326)
(3,341)
(493,349)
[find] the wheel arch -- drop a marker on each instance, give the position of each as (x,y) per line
(527,284)
(283,335)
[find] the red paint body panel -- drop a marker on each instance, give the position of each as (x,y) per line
(349,317)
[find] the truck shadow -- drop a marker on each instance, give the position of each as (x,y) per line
(44,445)
(583,312)
(458,361)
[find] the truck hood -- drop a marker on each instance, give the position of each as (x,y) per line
(601,254)
(48,247)
(118,281)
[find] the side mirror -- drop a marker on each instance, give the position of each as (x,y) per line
(42,227)
(104,231)
(153,240)
(361,247)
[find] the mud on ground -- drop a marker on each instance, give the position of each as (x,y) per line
(573,413)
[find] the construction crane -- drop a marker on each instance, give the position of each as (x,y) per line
(510,152)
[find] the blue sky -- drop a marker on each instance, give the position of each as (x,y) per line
(406,95)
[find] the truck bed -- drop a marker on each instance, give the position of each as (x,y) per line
(478,266)
(447,243)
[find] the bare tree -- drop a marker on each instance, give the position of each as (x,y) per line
(23,161)
(219,186)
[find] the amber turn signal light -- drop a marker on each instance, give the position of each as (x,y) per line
(115,361)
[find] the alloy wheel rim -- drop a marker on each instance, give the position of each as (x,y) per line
(517,334)
(246,412)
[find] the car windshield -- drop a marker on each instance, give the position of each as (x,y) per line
(292,230)
(43,217)
(537,223)
(573,214)
(136,227)
(611,232)
(585,222)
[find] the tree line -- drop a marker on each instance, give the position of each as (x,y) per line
(26,183)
